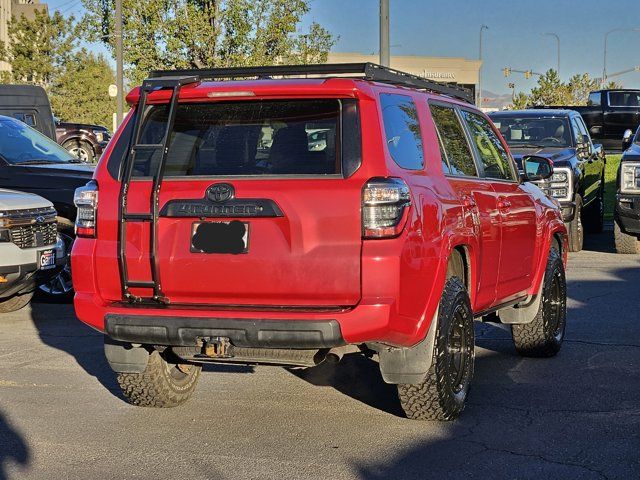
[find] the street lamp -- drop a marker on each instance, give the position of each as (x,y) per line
(606,36)
(479,96)
(558,41)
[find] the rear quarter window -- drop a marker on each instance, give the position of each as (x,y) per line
(402,130)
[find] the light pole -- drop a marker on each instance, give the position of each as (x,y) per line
(606,37)
(558,42)
(479,95)
(119,73)
(385,56)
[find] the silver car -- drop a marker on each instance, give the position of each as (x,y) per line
(30,250)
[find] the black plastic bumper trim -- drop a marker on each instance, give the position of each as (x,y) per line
(258,333)
(627,213)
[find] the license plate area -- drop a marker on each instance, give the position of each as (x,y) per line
(220,237)
(47,259)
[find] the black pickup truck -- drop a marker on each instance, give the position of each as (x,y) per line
(608,114)
(578,165)
(626,228)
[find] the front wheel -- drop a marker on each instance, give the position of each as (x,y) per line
(544,335)
(442,395)
(15,302)
(162,384)
(627,244)
(81,150)
(575,228)
(59,288)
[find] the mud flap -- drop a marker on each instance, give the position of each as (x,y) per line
(125,358)
(408,365)
(522,313)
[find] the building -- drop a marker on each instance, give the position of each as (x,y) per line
(15,8)
(443,69)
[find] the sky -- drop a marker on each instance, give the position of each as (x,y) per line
(515,37)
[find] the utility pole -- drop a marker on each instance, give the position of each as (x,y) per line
(385,56)
(479,95)
(119,70)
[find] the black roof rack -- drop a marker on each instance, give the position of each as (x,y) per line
(366,71)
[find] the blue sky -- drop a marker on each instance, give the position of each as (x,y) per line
(514,38)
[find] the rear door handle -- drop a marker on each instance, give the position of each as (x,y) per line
(469,202)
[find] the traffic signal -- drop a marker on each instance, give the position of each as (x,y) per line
(528,74)
(512,85)
(506,71)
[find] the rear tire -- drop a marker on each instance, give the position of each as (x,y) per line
(575,228)
(163,384)
(594,218)
(82,150)
(626,244)
(442,395)
(544,335)
(15,303)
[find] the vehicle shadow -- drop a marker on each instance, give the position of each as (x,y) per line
(13,448)
(600,242)
(59,328)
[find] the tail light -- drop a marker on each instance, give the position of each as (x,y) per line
(385,203)
(86,201)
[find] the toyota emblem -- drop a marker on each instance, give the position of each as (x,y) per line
(220,192)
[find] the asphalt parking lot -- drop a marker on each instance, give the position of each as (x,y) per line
(576,416)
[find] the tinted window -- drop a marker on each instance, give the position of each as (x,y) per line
(580,130)
(493,155)
(532,132)
(402,130)
(594,99)
(245,138)
(454,141)
(624,99)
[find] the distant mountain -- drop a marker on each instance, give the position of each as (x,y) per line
(495,101)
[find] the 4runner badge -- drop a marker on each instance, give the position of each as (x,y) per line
(220,192)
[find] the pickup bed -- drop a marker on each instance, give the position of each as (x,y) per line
(608,114)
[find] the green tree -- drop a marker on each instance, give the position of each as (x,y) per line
(80,92)
(208,33)
(549,91)
(38,48)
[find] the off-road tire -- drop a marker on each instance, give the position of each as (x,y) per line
(575,228)
(15,303)
(161,385)
(435,398)
(626,244)
(594,215)
(544,335)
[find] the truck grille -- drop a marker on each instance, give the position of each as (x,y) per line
(29,228)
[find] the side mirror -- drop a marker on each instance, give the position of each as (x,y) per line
(595,131)
(536,168)
(626,139)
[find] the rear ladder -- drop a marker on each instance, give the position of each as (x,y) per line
(148,86)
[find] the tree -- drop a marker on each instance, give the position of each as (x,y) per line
(80,92)
(38,48)
(165,34)
(550,90)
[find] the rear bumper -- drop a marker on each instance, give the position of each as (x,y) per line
(256,333)
(627,213)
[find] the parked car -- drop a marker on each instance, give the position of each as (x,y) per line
(578,165)
(31,162)
(85,141)
(29,104)
(388,241)
(30,250)
(608,114)
(626,226)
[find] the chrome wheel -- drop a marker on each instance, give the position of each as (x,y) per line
(60,285)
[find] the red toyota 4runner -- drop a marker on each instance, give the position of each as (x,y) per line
(351,208)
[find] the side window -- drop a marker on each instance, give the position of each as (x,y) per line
(579,131)
(494,156)
(446,168)
(454,141)
(402,130)
(594,99)
(583,129)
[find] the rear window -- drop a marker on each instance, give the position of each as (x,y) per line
(280,137)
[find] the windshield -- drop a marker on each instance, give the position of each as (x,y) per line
(20,144)
(531,132)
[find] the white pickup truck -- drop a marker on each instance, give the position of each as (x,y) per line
(30,250)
